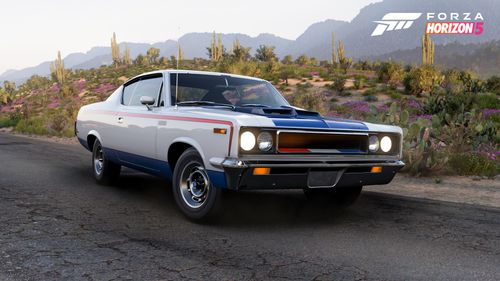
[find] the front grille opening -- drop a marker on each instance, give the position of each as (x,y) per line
(290,142)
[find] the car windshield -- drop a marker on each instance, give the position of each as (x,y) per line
(203,89)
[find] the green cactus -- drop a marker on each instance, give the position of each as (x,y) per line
(115,51)
(334,57)
(57,69)
(427,50)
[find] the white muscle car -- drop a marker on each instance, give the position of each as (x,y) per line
(211,131)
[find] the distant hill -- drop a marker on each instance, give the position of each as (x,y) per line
(316,39)
(483,58)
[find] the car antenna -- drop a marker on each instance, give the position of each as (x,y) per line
(177,72)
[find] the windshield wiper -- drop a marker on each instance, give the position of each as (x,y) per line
(254,105)
(210,103)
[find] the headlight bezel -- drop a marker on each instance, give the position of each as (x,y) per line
(257,132)
(373,140)
(263,138)
(395,141)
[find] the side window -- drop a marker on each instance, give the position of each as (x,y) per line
(128,91)
(148,87)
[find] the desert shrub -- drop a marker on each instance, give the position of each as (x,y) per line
(338,83)
(469,164)
(34,125)
(391,73)
(493,85)
(451,82)
(482,101)
(10,120)
(394,95)
(58,123)
(449,103)
(370,98)
(359,82)
(345,94)
(422,79)
(307,100)
(470,82)
(370,92)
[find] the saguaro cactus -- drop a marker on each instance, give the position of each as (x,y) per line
(57,69)
(344,62)
(427,50)
(126,56)
(115,50)
(334,57)
(216,49)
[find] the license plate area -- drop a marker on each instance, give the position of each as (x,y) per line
(323,178)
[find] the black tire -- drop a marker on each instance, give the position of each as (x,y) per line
(340,196)
(194,194)
(105,171)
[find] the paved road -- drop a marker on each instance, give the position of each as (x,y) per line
(57,224)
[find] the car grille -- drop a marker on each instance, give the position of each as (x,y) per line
(319,142)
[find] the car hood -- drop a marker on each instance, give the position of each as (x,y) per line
(280,117)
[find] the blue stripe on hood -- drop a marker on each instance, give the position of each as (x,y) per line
(320,123)
(296,118)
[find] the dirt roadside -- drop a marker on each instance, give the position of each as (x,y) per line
(457,189)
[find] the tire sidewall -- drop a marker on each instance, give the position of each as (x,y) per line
(98,177)
(211,204)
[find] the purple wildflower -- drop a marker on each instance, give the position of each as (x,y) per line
(79,85)
(54,88)
(359,106)
(490,111)
(383,108)
(411,103)
(53,105)
(105,88)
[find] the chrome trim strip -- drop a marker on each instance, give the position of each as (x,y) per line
(326,165)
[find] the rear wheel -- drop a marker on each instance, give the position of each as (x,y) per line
(194,194)
(105,171)
(342,196)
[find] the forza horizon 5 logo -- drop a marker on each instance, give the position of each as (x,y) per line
(437,23)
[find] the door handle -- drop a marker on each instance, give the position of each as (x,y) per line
(120,120)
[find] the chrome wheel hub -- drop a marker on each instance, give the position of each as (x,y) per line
(194,185)
(98,160)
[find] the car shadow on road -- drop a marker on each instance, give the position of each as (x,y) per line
(248,208)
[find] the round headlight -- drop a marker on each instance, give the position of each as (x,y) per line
(386,144)
(374,144)
(247,141)
(265,141)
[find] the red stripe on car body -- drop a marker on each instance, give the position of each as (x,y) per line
(178,118)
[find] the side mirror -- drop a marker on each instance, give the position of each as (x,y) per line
(147,101)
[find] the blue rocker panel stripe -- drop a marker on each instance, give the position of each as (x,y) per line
(156,167)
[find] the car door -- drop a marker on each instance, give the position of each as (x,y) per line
(137,134)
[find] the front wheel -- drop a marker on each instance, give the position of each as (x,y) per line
(341,196)
(105,171)
(194,194)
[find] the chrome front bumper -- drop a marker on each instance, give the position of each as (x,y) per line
(353,171)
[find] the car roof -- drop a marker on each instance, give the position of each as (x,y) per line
(182,71)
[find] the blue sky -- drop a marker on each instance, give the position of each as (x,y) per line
(33,31)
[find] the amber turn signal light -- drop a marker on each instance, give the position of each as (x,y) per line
(261,171)
(376,169)
(220,131)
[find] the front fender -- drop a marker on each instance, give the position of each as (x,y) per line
(192,142)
